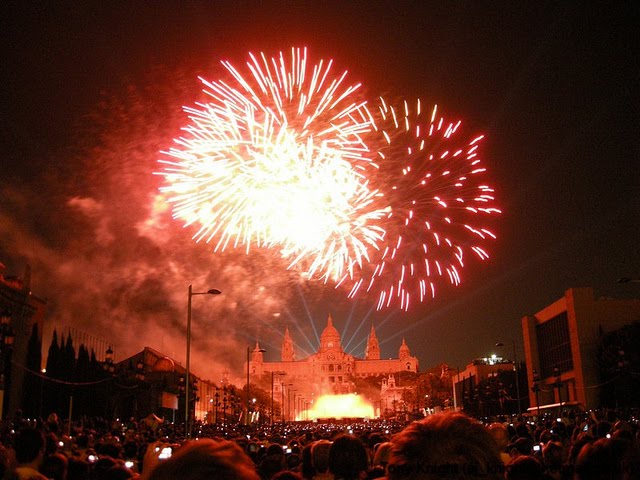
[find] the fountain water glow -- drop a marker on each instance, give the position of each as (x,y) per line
(338,406)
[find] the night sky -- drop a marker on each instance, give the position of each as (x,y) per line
(91,92)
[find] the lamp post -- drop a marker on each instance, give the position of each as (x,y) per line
(558,384)
(289,400)
(187,409)
(282,403)
(139,376)
(110,369)
(454,381)
(272,378)
(260,350)
(7,335)
(224,406)
(216,404)
(535,388)
(515,369)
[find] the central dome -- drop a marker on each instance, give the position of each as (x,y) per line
(330,337)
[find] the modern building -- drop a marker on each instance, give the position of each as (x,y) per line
(465,383)
(328,371)
(560,345)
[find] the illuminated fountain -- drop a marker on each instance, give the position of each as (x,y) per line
(338,406)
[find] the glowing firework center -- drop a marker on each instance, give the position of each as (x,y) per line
(276,159)
(288,156)
(324,384)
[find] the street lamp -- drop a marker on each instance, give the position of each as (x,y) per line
(558,384)
(224,406)
(515,369)
(108,365)
(261,350)
(288,415)
(536,389)
(7,335)
(272,376)
(211,291)
(289,401)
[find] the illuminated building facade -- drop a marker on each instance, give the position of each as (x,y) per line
(328,371)
(466,381)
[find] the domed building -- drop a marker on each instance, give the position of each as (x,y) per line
(330,370)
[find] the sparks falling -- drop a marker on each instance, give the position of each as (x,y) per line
(435,188)
(276,159)
(286,155)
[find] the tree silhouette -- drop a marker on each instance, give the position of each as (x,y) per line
(618,356)
(32,391)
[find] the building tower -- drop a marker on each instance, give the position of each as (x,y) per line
(287,353)
(404,353)
(373,348)
(330,338)
(256,355)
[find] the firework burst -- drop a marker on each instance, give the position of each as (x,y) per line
(276,159)
(438,199)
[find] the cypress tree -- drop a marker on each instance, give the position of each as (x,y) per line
(53,357)
(53,390)
(69,360)
(32,391)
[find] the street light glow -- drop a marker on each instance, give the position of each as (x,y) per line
(211,291)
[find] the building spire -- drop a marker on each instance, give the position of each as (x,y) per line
(287,353)
(404,351)
(256,355)
(373,347)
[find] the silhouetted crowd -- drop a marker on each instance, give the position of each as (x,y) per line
(445,445)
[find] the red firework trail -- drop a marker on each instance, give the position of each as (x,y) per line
(435,187)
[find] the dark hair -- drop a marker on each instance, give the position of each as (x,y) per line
(205,459)
(348,457)
(270,465)
(54,466)
(130,449)
(77,469)
(28,444)
(524,467)
(307,468)
(82,441)
(112,450)
(287,475)
(606,459)
(117,472)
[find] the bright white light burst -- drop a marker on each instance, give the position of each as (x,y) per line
(276,158)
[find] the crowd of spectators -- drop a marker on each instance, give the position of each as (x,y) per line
(444,445)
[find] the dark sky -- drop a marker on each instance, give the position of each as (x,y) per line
(92,91)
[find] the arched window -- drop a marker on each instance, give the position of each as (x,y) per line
(408,366)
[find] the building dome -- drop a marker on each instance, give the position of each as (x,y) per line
(330,337)
(164,365)
(404,351)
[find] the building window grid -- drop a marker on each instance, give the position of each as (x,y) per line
(554,345)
